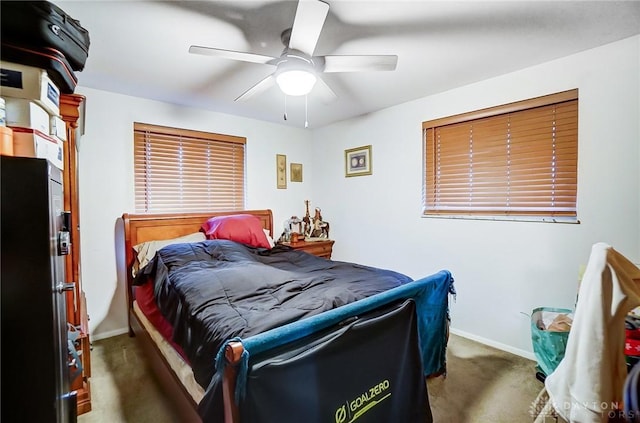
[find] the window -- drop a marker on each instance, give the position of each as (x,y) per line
(518,159)
(187,171)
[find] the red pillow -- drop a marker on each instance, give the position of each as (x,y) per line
(242,228)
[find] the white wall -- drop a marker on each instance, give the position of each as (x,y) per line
(106,184)
(501,268)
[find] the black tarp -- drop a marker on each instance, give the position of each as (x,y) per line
(368,368)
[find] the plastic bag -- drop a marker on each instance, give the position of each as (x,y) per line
(548,345)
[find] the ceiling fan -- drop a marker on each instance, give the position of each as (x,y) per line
(297,69)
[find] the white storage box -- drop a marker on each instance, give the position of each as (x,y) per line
(26,114)
(28,142)
(57,127)
(31,83)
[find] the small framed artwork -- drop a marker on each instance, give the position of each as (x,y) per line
(281,171)
(296,172)
(358,161)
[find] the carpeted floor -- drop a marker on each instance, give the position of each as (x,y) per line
(483,385)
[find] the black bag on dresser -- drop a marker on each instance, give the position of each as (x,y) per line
(41,24)
(50,59)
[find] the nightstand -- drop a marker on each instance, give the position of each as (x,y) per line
(317,248)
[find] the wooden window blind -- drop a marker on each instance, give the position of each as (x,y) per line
(179,170)
(517,159)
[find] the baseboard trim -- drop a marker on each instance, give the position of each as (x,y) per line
(494,344)
(108,334)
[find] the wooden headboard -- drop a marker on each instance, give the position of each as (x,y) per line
(149,227)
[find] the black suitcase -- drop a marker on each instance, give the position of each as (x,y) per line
(43,24)
(47,58)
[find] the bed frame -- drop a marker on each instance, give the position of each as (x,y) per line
(140,228)
(147,227)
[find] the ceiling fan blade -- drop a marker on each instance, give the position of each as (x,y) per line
(324,92)
(258,88)
(230,54)
(310,17)
(359,63)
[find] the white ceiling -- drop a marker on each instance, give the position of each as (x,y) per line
(140,48)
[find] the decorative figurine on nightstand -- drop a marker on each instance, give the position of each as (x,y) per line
(320,228)
(306,221)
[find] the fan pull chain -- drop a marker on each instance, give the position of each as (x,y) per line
(306,113)
(285,107)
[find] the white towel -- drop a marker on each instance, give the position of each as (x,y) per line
(587,384)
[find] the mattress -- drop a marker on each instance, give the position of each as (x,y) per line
(179,366)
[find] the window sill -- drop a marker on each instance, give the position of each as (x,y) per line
(539,219)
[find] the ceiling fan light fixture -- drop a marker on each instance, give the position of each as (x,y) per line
(296,82)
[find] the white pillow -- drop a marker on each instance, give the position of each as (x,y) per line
(147,250)
(271,242)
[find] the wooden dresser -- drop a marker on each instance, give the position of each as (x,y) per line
(70,110)
(322,248)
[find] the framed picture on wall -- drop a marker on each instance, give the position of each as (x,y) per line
(281,171)
(296,172)
(358,161)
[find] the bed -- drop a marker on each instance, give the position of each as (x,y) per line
(214,385)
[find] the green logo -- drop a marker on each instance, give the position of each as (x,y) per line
(362,403)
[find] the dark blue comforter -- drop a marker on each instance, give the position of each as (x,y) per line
(215,290)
